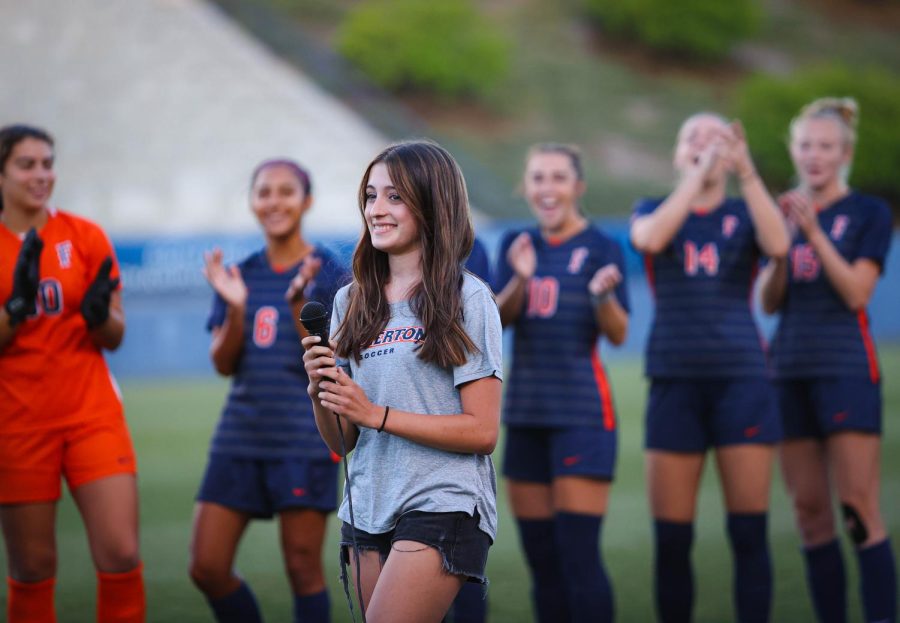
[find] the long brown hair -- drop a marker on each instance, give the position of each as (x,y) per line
(428,180)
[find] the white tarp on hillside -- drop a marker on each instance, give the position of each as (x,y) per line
(161,108)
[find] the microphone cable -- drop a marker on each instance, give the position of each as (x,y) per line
(314,318)
(344,579)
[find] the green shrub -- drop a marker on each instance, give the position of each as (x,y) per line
(703,29)
(766,106)
(443,47)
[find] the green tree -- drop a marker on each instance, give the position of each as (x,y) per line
(767,104)
(702,29)
(446,47)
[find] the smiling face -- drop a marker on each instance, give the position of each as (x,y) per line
(820,152)
(392,225)
(552,189)
(279,201)
(27,177)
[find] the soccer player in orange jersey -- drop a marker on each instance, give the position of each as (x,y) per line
(60,409)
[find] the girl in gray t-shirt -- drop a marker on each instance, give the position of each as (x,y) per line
(414,380)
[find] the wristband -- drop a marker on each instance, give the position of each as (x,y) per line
(384,420)
(599,299)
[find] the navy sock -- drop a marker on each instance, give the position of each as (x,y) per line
(238,606)
(587,585)
(548,588)
(470,605)
(878,582)
(827,582)
(674,578)
(311,608)
(752,566)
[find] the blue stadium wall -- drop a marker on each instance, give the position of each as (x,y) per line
(167,299)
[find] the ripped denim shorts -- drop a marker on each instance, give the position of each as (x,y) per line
(462,544)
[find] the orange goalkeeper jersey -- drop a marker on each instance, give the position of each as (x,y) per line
(51,373)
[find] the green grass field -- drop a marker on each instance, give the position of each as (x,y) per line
(172,421)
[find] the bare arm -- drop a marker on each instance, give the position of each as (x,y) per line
(228,339)
(612,320)
(475,430)
(773,284)
(296,292)
(611,317)
(652,233)
(854,282)
(6,331)
(109,334)
(771,230)
(521,256)
(511,299)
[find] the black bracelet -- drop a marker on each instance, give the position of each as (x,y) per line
(599,299)
(384,421)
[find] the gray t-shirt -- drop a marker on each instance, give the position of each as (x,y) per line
(391,475)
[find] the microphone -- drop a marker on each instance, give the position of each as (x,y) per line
(314,317)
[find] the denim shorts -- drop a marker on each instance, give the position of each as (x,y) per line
(462,544)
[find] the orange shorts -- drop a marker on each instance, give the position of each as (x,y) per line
(32,462)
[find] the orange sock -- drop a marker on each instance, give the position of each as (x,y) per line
(120,596)
(30,602)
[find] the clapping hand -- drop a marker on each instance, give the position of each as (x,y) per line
(95,304)
(306,273)
(602,285)
(226,281)
(26,277)
(800,212)
(522,257)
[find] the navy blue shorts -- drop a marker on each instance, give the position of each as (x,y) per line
(819,407)
(540,454)
(692,415)
(262,488)
(462,544)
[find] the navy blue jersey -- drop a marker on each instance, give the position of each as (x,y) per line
(702,283)
(557,378)
(268,413)
(478,262)
(818,335)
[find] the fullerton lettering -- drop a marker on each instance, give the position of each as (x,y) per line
(399,334)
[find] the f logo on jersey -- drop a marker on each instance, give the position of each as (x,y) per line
(64,253)
(839,226)
(576,260)
(729,224)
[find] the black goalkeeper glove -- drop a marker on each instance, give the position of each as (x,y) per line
(26,276)
(95,304)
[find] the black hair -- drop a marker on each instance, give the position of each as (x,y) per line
(299,172)
(12,135)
